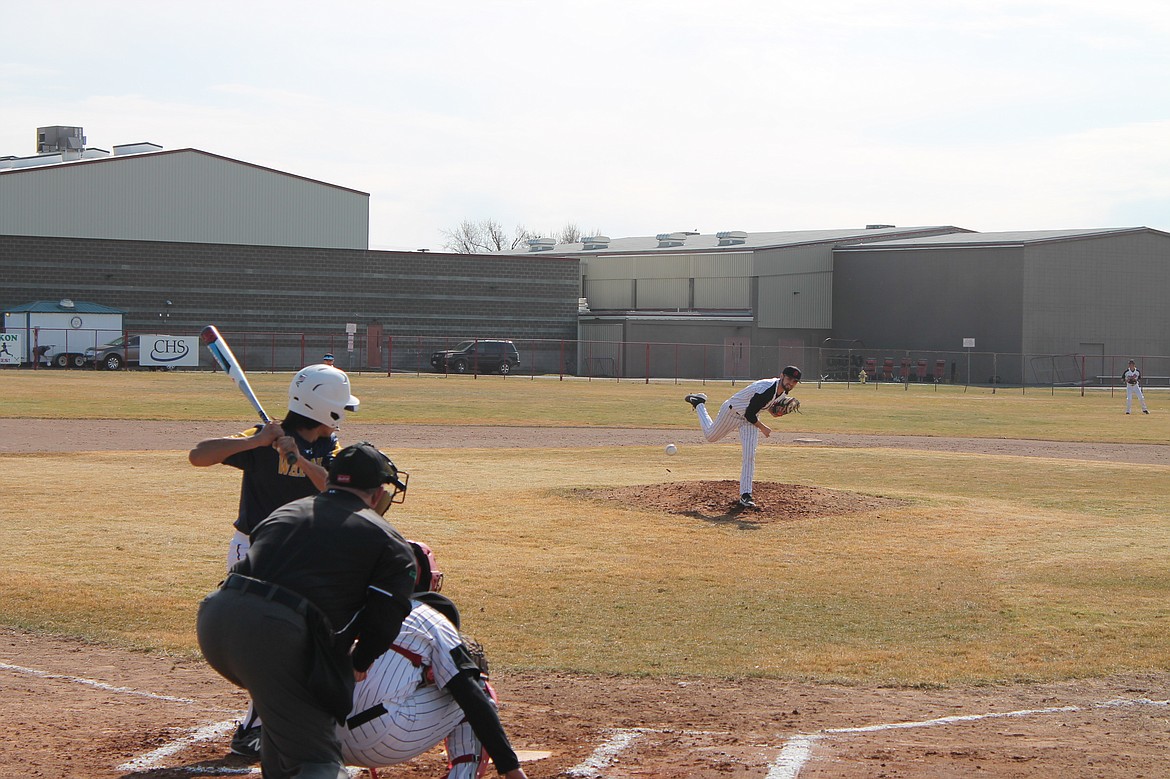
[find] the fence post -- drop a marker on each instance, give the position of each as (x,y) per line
(676,364)
(994,371)
(389,355)
(647,362)
(562,361)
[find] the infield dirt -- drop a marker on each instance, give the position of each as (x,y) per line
(73,709)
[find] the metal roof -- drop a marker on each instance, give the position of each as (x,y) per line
(700,242)
(1000,239)
(154,155)
(56,307)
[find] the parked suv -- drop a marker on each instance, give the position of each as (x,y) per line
(117,353)
(482,356)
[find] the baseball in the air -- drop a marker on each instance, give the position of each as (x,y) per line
(671,448)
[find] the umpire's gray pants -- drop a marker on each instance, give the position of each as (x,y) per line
(265,647)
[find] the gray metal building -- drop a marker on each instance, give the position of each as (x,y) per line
(735,290)
(142,193)
(1098,293)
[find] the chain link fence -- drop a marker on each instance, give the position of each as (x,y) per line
(836,361)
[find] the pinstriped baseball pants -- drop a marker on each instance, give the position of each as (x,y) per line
(724,423)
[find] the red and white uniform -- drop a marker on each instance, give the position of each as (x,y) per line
(401,709)
(739,412)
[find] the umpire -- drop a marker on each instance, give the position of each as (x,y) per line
(322,592)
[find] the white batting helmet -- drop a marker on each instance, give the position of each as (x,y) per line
(321,393)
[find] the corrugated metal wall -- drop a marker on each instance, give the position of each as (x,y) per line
(663,281)
(802,300)
(600,351)
(186,196)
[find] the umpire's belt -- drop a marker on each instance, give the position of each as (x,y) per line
(269,591)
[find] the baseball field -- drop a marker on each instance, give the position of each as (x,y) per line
(941,581)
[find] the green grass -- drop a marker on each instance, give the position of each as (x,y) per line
(1063,415)
(995,568)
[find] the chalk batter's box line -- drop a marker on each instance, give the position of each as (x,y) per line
(797,751)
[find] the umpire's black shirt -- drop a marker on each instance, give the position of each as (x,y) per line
(345,559)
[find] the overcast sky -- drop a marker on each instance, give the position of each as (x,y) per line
(632,117)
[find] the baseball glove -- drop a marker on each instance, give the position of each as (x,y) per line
(475,649)
(783,406)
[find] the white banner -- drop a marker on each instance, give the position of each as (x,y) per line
(176,350)
(11,348)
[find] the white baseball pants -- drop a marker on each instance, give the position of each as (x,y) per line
(727,420)
(1130,391)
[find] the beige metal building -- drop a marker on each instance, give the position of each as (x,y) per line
(143,193)
(762,300)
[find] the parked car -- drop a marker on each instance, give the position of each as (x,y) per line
(483,356)
(116,354)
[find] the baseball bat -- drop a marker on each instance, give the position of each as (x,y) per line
(218,346)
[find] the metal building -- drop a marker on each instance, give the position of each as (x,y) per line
(1037,294)
(143,193)
(733,289)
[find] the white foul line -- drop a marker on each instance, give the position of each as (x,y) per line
(205,733)
(93,683)
(798,750)
(606,753)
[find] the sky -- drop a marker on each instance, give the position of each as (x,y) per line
(632,117)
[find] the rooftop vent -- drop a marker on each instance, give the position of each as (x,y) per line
(123,149)
(595,242)
(541,244)
(878,227)
(672,239)
(731,237)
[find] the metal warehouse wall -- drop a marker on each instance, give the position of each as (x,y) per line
(1089,295)
(183,195)
(930,298)
(282,289)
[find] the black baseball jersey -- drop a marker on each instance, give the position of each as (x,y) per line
(344,558)
(270,482)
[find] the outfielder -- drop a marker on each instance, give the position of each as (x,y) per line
(740,412)
(318,398)
(1133,386)
(428,689)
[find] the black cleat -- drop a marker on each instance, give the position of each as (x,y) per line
(696,399)
(246,742)
(746,501)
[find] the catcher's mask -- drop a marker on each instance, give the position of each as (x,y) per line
(395,493)
(429,578)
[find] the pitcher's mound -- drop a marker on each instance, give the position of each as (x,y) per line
(720,500)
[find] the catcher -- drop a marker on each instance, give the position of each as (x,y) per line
(740,412)
(431,686)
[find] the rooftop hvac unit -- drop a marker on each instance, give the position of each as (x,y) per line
(60,139)
(731,237)
(541,244)
(595,242)
(878,227)
(672,239)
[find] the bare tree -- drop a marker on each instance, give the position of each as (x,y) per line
(488,235)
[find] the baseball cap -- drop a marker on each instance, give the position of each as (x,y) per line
(362,466)
(791,371)
(328,356)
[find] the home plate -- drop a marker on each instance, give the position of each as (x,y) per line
(528,755)
(808,440)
